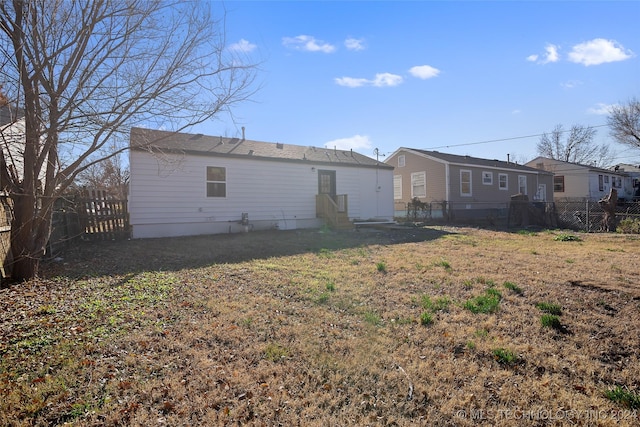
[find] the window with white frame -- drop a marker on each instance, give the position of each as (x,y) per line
(401,161)
(465,183)
(216,181)
(522,184)
(503,181)
(418,184)
(397,187)
(487,178)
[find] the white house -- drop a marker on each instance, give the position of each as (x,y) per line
(578,181)
(188,184)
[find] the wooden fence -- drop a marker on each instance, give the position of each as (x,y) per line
(102,217)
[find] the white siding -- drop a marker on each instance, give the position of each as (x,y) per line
(168,194)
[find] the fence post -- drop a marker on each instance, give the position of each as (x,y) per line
(588,217)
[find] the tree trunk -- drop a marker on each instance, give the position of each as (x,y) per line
(28,238)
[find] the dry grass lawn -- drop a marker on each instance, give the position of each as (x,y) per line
(396,327)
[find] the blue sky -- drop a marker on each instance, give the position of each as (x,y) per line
(447,76)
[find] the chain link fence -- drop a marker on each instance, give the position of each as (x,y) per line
(573,214)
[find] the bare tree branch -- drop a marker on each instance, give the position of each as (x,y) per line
(85,72)
(575,146)
(624,122)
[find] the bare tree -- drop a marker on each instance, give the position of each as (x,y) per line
(83,73)
(109,175)
(624,122)
(577,146)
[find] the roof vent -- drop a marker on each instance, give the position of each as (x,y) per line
(251,152)
(279,145)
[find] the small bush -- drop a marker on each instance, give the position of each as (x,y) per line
(629,226)
(550,308)
(625,397)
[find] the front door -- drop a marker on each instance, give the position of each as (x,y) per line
(327,183)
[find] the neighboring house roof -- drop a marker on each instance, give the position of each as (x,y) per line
(198,144)
(625,167)
(589,167)
(472,161)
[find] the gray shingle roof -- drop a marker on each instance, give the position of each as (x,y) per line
(476,161)
(199,144)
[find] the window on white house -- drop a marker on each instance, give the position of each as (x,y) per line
(600,183)
(487,178)
(503,181)
(418,184)
(401,161)
(558,184)
(216,181)
(522,184)
(616,181)
(465,183)
(397,187)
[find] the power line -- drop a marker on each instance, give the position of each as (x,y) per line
(503,139)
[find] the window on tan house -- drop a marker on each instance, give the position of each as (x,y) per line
(216,181)
(503,181)
(418,184)
(487,178)
(558,184)
(401,161)
(522,184)
(465,183)
(397,187)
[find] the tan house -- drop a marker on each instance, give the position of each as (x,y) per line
(470,186)
(573,181)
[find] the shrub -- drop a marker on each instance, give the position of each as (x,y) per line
(629,225)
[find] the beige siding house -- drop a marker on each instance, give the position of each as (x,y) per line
(465,183)
(576,181)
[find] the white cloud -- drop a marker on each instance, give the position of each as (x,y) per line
(551,55)
(571,84)
(354,44)
(516,112)
(424,71)
(307,44)
(601,109)
(356,142)
(380,80)
(351,82)
(599,51)
(387,79)
(242,46)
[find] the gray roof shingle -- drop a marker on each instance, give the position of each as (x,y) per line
(199,144)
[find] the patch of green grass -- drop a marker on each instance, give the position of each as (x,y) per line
(444,264)
(551,321)
(513,287)
(326,253)
(46,309)
(505,356)
(569,261)
(323,298)
(331,286)
(381,267)
(440,304)
(565,237)
(275,352)
(624,397)
(524,232)
(550,308)
(487,303)
(372,318)
(471,345)
(426,318)
(467,284)
(481,333)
